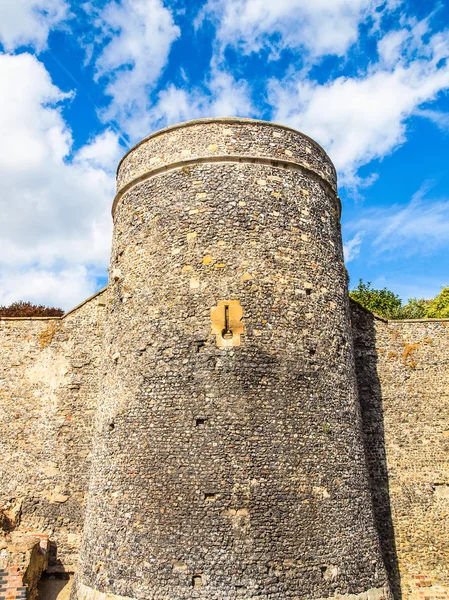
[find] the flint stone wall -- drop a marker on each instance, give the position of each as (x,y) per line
(239,472)
(215,138)
(403,373)
(201,450)
(49,384)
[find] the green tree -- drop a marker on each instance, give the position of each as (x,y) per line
(414,309)
(383,302)
(438,308)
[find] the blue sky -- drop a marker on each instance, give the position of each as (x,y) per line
(82,82)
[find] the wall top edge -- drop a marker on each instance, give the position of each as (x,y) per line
(367,311)
(62,317)
(396,321)
(389,321)
(207,120)
(31,318)
(69,312)
(399,321)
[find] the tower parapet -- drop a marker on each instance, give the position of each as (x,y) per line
(228,460)
(209,140)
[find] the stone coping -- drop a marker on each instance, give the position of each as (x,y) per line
(417,320)
(228,158)
(84,302)
(31,318)
(398,321)
(81,304)
(222,120)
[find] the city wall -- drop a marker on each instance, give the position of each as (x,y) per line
(192,229)
(403,374)
(49,379)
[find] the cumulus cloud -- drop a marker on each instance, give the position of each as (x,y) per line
(136,37)
(103,152)
(358,119)
(55,207)
(321,27)
(224,96)
(28,22)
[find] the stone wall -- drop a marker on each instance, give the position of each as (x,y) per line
(23,558)
(230,472)
(403,373)
(48,392)
(215,139)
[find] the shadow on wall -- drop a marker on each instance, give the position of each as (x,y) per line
(55,587)
(55,583)
(370,394)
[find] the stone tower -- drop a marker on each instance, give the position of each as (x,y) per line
(228,460)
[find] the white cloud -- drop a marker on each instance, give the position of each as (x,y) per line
(28,22)
(406,42)
(224,96)
(103,152)
(441,119)
(391,46)
(320,27)
(358,119)
(351,248)
(62,289)
(419,227)
(55,210)
(139,35)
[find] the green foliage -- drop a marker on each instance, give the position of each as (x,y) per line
(382,302)
(27,309)
(438,308)
(326,428)
(387,304)
(414,309)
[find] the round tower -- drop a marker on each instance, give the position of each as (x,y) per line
(228,459)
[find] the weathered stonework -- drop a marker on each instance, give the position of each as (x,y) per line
(233,472)
(214,139)
(233,456)
(403,373)
(49,384)
(23,558)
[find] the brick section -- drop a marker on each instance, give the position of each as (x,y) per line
(11,583)
(21,567)
(425,589)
